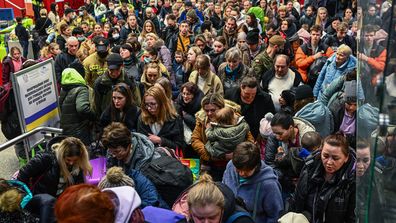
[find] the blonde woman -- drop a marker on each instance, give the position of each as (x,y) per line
(210,201)
(148,27)
(53,171)
(50,51)
(159,120)
(188,65)
(322,17)
(151,73)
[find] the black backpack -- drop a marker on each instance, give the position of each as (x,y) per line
(169,176)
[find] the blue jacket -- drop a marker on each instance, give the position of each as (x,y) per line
(330,72)
(146,190)
(269,202)
(183,16)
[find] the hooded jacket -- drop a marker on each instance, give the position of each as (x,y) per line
(142,150)
(128,202)
(237,75)
(223,139)
(331,201)
(8,68)
(269,202)
(330,72)
(76,112)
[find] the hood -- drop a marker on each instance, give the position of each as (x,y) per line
(229,200)
(303,126)
(304,35)
(143,149)
(127,201)
(71,76)
(349,64)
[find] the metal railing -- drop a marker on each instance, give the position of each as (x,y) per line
(28,134)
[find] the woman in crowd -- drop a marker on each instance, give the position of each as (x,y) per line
(130,62)
(188,103)
(159,120)
(209,201)
(148,27)
(189,64)
(52,172)
(322,18)
(114,36)
(122,109)
(86,203)
(287,133)
(65,33)
(151,73)
(233,70)
(252,23)
(207,81)
(326,189)
(49,52)
(217,56)
(348,17)
(12,63)
(98,31)
(53,15)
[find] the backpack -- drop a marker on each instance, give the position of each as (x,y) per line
(367,119)
(319,116)
(169,176)
(313,71)
(4,94)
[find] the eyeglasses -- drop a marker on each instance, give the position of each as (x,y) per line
(150,105)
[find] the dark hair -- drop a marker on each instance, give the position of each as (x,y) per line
(123,89)
(116,134)
(63,27)
(222,40)
(190,87)
(311,140)
(370,28)
(282,119)
(77,31)
(254,22)
(339,140)
(316,28)
(249,81)
(18,19)
(362,144)
(53,8)
(171,17)
(271,26)
(152,50)
(246,156)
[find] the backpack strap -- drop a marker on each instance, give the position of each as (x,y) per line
(256,201)
(237,215)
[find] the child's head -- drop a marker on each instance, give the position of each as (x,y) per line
(179,57)
(311,141)
(226,116)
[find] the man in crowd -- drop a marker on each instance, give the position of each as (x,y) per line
(63,60)
(95,64)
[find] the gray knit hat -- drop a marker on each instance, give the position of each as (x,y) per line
(115,177)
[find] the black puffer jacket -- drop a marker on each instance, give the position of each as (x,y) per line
(44,172)
(171,133)
(189,109)
(75,106)
(130,119)
(217,59)
(332,201)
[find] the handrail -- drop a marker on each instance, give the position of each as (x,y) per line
(28,134)
(16,6)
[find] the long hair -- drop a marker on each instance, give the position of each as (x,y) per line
(188,67)
(70,147)
(144,32)
(46,51)
(123,89)
(318,21)
(166,111)
(151,65)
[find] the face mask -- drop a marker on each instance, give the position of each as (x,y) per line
(102,54)
(81,38)
(81,13)
(73,16)
(116,36)
(147,60)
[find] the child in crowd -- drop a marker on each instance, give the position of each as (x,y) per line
(224,135)
(177,67)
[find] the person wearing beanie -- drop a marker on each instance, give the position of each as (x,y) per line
(244,48)
(254,43)
(115,177)
(130,61)
(194,22)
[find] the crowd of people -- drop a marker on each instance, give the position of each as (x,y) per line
(263,93)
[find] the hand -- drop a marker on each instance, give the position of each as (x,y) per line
(154,139)
(318,55)
(282,101)
(208,125)
(280,149)
(362,56)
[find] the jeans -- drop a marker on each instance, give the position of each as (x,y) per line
(25,47)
